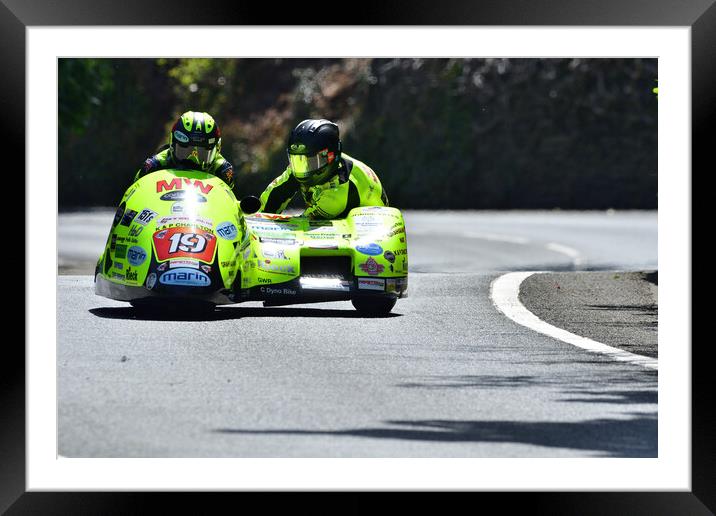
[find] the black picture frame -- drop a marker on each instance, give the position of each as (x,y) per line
(699,15)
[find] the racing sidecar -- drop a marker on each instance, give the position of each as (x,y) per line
(180,237)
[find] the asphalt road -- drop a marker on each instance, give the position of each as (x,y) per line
(446,375)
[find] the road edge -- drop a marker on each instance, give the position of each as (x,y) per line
(504,294)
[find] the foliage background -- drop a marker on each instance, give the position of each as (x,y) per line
(440,133)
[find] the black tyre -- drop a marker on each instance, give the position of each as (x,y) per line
(374,305)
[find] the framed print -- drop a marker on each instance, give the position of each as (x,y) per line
(539,154)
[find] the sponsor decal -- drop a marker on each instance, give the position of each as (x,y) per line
(389,256)
(181,137)
(265,280)
(227,231)
(130,194)
(145,217)
(323,245)
(136,255)
(151,281)
(320,223)
(369,172)
(272,227)
(128,217)
(183,242)
(400,252)
(180,182)
(185,278)
(283,291)
(401,229)
(180,195)
(363,229)
(162,266)
(280,241)
(272,216)
(276,253)
(367,214)
(371,284)
(184,220)
(231,263)
(266,265)
(120,251)
(177,207)
(118,265)
(119,214)
(206,268)
(173,264)
(135,230)
(371,249)
(132,276)
(371,267)
(318,236)
(390,285)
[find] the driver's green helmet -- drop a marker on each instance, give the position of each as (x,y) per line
(195,140)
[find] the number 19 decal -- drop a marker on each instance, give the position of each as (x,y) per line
(184,242)
(187,242)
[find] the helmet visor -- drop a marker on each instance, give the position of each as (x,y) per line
(304,166)
(197,154)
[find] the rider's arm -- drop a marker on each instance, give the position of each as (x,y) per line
(223,169)
(279,193)
(150,165)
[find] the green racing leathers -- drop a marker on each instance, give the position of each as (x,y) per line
(221,168)
(354,184)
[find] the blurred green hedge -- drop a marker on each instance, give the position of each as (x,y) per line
(440,133)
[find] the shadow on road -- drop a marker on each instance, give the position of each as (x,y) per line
(635,437)
(649,396)
(226,313)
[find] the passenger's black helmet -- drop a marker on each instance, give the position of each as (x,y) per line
(314,151)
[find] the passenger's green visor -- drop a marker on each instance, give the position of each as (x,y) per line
(304,166)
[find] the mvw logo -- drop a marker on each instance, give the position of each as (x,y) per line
(176,184)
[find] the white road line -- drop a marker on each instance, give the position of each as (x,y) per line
(573,254)
(504,293)
(496,238)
